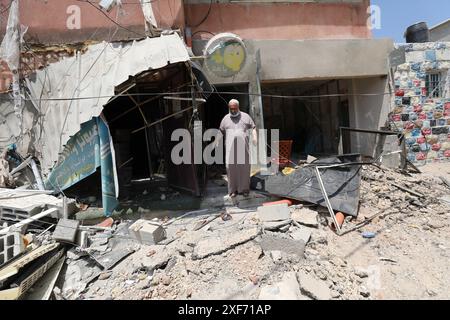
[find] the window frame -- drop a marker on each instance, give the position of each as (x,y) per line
(440,83)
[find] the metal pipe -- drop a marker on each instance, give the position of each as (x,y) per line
(65,209)
(22,223)
(21,166)
(184,99)
(161,120)
(339,165)
(147,145)
(37,175)
(327,200)
(371,131)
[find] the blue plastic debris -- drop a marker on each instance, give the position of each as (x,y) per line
(368,235)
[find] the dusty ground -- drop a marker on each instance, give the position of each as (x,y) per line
(408,258)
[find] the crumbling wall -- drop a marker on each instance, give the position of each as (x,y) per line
(425,120)
(31,61)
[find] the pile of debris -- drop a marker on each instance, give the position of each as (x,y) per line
(271,251)
(250,248)
(394,192)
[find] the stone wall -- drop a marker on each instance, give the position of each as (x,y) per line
(425,120)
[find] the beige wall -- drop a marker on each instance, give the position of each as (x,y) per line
(289,60)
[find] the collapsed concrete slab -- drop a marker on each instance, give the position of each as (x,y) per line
(274,213)
(289,246)
(287,289)
(223,242)
(305,217)
(303,234)
(312,287)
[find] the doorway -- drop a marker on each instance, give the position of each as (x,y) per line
(215,108)
(307,112)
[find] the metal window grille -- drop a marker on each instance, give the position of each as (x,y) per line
(434,85)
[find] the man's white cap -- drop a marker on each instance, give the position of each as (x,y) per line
(234,101)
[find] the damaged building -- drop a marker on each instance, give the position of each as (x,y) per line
(90,107)
(309,85)
(93,206)
(422,101)
(323,68)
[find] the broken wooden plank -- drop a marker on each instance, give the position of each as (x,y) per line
(37,269)
(43,288)
(415,193)
(13,268)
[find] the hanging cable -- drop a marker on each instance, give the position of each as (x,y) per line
(299,97)
(203,31)
(205,17)
(7,8)
(112,20)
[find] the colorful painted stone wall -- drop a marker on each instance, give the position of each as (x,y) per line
(425,120)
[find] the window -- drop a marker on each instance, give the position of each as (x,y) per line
(434,84)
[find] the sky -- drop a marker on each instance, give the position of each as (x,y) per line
(397,15)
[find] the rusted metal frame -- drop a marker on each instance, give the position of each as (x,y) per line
(371,131)
(147,145)
(327,200)
(324,191)
(133,108)
(161,120)
(144,102)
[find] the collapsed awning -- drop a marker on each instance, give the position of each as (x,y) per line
(74,90)
(341,184)
(89,149)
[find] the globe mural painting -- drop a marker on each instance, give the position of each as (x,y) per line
(225,55)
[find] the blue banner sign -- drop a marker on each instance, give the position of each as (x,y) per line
(89,149)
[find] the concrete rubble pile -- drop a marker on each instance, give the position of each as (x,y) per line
(393,194)
(250,248)
(265,252)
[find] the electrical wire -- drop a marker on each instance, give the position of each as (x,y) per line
(7,8)
(112,20)
(203,31)
(126,2)
(77,88)
(294,97)
(205,17)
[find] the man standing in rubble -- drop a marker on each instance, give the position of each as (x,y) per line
(236,127)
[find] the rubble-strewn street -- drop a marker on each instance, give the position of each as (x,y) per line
(224,150)
(237,259)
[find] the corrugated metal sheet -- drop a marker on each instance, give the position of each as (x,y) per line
(93,74)
(12,130)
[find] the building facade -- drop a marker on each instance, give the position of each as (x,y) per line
(278,19)
(422,102)
(305,68)
(440,32)
(317,49)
